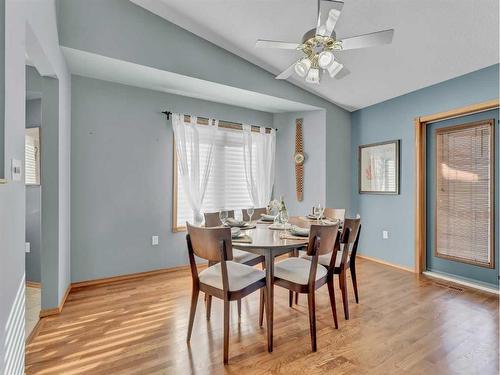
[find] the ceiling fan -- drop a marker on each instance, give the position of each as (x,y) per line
(318,45)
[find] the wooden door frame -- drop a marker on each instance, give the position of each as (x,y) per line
(420,169)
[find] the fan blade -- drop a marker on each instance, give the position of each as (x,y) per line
(329,13)
(276,44)
(287,72)
(368,40)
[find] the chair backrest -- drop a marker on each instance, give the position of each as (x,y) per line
(206,243)
(335,213)
(353,225)
(256,214)
(349,239)
(323,239)
(212,218)
(327,235)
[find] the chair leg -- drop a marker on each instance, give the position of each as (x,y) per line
(343,289)
(239,308)
(290,298)
(294,253)
(226,331)
(261,307)
(208,307)
(354,282)
(312,319)
(331,292)
(194,301)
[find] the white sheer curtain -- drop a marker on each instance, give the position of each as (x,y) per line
(193,169)
(259,150)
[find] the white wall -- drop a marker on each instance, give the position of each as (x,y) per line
(314,135)
(41,17)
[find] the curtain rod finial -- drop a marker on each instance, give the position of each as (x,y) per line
(167,113)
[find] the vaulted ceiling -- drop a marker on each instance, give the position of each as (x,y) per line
(434,40)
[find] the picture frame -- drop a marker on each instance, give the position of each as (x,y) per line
(378,168)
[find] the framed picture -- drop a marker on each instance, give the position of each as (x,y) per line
(378,168)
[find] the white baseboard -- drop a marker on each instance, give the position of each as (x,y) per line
(468,284)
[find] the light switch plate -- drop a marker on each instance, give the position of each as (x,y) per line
(385,234)
(154,240)
(16,169)
(27,247)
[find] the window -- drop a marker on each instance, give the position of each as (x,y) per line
(226,188)
(32,156)
(464,193)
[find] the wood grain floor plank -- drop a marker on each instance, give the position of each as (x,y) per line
(404,324)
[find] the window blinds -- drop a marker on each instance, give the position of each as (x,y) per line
(32,156)
(464,200)
(227,187)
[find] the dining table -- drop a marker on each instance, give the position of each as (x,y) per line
(271,243)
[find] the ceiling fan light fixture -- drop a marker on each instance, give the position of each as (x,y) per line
(325,58)
(302,67)
(313,76)
(334,68)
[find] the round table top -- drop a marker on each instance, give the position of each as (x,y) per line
(265,238)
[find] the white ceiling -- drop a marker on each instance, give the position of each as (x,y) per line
(434,40)
(105,68)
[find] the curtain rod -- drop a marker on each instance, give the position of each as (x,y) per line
(222,123)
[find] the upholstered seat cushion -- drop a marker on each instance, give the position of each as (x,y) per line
(239,275)
(297,270)
(240,256)
(325,258)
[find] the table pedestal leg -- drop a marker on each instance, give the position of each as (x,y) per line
(269,299)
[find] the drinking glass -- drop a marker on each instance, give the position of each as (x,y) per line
(223,216)
(317,212)
(250,212)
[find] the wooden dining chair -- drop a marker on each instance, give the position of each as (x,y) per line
(239,256)
(256,214)
(225,279)
(305,276)
(347,255)
(212,218)
(346,259)
(335,213)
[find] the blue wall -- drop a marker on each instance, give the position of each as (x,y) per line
(121,176)
(394,119)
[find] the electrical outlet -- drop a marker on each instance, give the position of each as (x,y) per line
(385,234)
(154,240)
(27,247)
(16,169)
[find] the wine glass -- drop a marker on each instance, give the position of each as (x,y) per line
(317,211)
(223,214)
(250,212)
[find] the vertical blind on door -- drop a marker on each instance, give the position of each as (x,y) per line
(464,193)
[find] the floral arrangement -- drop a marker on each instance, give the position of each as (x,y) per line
(276,207)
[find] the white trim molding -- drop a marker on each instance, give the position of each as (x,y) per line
(458,281)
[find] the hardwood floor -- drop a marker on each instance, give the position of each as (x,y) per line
(404,324)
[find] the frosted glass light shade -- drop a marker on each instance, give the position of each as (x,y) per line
(313,76)
(302,67)
(334,68)
(325,58)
